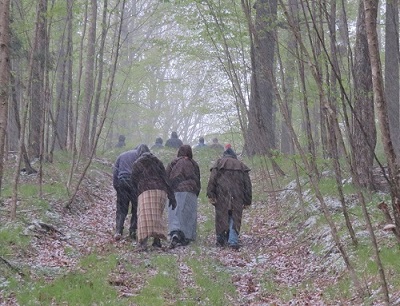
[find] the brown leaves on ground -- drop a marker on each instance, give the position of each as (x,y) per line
(271,268)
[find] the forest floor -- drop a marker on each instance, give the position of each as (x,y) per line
(271,251)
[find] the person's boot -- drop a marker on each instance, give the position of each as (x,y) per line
(174,240)
(117,236)
(142,245)
(157,243)
(221,241)
(132,233)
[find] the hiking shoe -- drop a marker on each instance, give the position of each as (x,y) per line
(174,241)
(117,236)
(140,247)
(157,243)
(132,235)
(235,247)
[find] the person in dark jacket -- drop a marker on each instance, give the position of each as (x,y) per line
(174,141)
(126,192)
(121,141)
(158,144)
(201,144)
(216,145)
(184,177)
(229,190)
(150,179)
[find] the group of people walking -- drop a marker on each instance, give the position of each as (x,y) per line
(140,179)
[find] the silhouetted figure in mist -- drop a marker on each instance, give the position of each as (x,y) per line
(216,145)
(174,141)
(201,144)
(121,141)
(158,144)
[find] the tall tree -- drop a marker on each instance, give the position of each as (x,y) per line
(4,76)
(261,131)
(36,87)
(104,27)
(364,131)
(287,146)
(392,70)
(89,80)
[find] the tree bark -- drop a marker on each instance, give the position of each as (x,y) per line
(100,74)
(371,10)
(36,82)
(392,70)
(261,132)
(89,81)
(364,131)
(4,77)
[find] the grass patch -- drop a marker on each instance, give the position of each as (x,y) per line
(341,291)
(77,288)
(162,288)
(11,238)
(215,283)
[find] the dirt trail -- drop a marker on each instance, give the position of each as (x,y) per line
(270,261)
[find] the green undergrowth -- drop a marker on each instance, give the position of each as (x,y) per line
(161,275)
(86,286)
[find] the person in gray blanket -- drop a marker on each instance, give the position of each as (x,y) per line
(184,176)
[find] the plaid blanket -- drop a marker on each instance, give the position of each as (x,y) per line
(151,220)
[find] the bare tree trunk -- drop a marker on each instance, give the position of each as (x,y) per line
(89,81)
(364,132)
(371,10)
(287,146)
(392,70)
(261,132)
(74,122)
(21,147)
(70,112)
(4,77)
(36,82)
(100,74)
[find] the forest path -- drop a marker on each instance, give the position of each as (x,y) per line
(272,267)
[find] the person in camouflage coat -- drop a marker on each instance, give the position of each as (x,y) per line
(229,190)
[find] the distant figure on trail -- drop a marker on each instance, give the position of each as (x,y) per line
(216,145)
(174,141)
(150,179)
(121,141)
(229,190)
(184,177)
(126,192)
(201,144)
(158,144)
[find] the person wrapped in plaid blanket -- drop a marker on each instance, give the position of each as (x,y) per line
(149,177)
